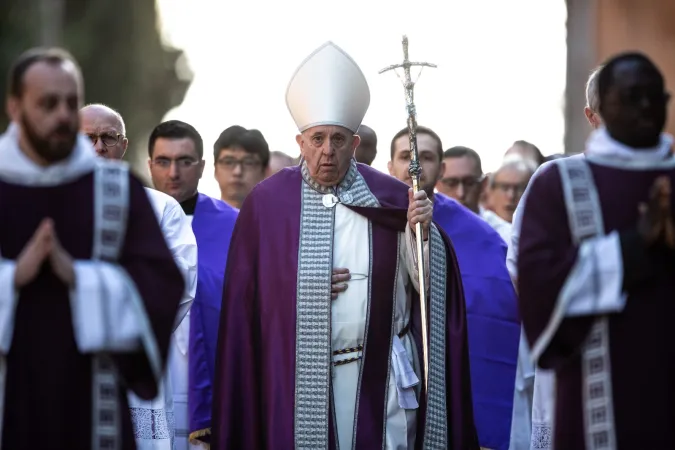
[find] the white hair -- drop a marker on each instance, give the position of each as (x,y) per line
(592,100)
(514,162)
(108,109)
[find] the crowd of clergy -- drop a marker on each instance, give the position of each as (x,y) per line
(286,313)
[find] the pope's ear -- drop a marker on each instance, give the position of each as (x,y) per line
(298,139)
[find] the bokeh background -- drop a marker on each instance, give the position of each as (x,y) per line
(507,69)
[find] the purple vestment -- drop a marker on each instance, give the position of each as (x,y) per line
(255,388)
(212,224)
(48,395)
(642,370)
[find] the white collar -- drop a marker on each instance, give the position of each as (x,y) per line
(17,168)
(601,148)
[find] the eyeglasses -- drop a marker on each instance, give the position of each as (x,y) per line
(467,182)
(517,189)
(181,163)
(108,139)
(246,163)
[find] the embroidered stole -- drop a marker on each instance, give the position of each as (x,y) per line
(585,221)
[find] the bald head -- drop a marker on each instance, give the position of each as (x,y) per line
(105,127)
(367,150)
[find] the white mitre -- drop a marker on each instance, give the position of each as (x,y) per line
(328,89)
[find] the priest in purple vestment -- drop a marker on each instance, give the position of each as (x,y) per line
(319,344)
(491,304)
(596,270)
(176,164)
(88,288)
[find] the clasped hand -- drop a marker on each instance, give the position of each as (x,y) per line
(43,245)
(656,220)
(420,210)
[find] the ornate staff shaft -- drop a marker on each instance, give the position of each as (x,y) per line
(415,170)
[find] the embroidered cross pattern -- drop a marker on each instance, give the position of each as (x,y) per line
(107,392)
(111,203)
(107,443)
(112,212)
(585,219)
(599,415)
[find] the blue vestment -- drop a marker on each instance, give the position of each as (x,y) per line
(212,225)
(492,318)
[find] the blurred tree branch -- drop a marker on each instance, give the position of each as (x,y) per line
(118,46)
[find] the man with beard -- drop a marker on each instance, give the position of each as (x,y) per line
(595,269)
(176,163)
(491,303)
(88,288)
(153,420)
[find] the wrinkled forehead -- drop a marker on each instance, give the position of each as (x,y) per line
(328,130)
(99,121)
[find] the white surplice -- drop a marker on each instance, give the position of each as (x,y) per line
(501,226)
(543,398)
(349,313)
(154,420)
(178,368)
(100,285)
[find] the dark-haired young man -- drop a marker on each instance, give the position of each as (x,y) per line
(596,269)
(462,177)
(491,304)
(176,150)
(241,158)
(88,288)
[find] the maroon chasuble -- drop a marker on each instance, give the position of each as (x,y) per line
(48,395)
(641,353)
(255,389)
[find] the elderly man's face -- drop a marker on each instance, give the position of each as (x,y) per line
(328,150)
(506,190)
(104,129)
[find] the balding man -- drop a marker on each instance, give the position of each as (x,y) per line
(105,128)
(591,111)
(367,150)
